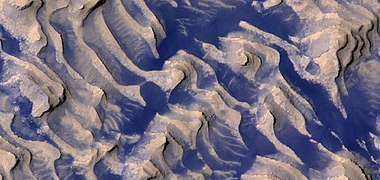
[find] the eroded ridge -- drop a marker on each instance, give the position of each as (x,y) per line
(189,89)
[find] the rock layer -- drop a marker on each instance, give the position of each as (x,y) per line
(203,89)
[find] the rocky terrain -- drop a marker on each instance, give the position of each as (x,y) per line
(189,89)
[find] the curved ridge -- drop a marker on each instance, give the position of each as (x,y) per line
(203,89)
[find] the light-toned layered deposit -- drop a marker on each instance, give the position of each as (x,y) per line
(189,89)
